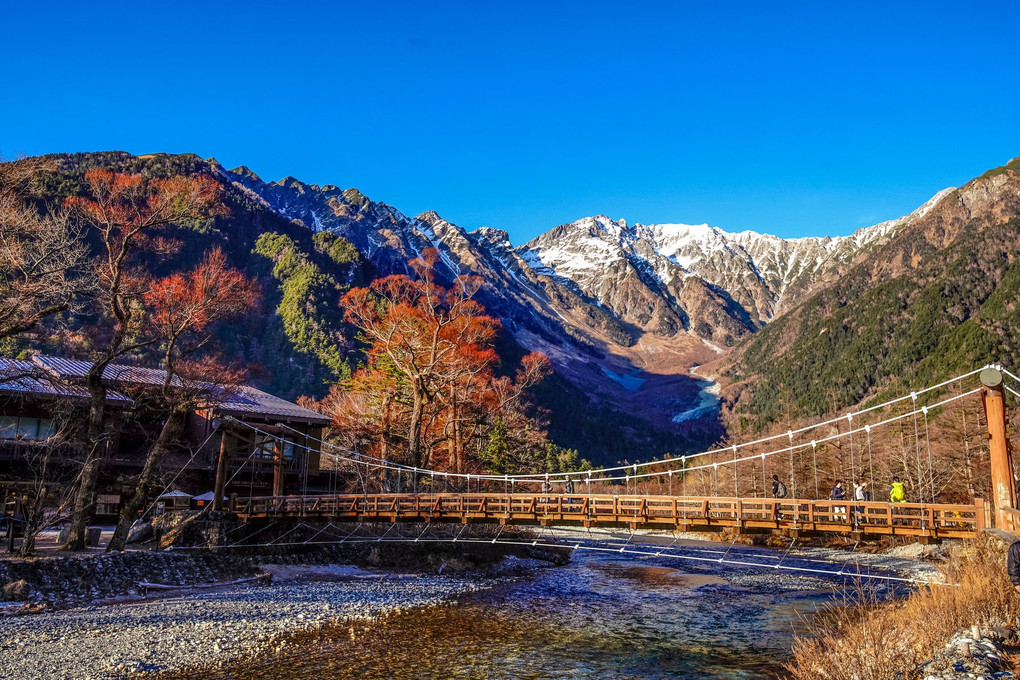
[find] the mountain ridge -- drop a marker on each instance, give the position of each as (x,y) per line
(623,311)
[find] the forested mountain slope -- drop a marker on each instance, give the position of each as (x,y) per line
(623,311)
(297,342)
(939,298)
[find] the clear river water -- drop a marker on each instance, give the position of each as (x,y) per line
(604,616)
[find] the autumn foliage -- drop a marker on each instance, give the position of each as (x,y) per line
(429,395)
(182,306)
(125,212)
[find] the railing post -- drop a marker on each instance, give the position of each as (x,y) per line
(1003,484)
(979,514)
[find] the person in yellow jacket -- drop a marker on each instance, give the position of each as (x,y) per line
(897,494)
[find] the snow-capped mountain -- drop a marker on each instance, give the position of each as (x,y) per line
(755,276)
(595,283)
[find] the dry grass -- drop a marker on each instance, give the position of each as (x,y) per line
(861,638)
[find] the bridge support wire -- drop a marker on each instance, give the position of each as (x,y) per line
(744,561)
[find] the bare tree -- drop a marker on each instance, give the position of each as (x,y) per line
(42,256)
(48,488)
(122,211)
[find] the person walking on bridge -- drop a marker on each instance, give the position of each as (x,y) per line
(1013,564)
(778,488)
(896,493)
(778,491)
(861,495)
(838,494)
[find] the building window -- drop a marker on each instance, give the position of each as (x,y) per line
(266,448)
(8,427)
(13,427)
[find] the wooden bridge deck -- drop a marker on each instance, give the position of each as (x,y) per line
(682,513)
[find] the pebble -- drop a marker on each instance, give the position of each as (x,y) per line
(204,628)
(984,662)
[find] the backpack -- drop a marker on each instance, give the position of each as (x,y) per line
(781,493)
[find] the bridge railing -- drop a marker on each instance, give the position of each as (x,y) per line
(686,512)
(1011,521)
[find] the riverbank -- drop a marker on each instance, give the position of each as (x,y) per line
(867,637)
(313,605)
(213,628)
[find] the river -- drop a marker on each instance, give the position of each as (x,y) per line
(603,616)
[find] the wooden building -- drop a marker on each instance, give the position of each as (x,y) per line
(257,442)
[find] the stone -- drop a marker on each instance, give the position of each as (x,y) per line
(17,591)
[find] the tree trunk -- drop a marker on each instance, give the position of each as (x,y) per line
(33,522)
(414,429)
(129,513)
(95,441)
(456,443)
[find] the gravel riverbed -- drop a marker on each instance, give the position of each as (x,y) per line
(214,628)
(210,628)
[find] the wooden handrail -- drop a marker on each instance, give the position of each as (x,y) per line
(651,511)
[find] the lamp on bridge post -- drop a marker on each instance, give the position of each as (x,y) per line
(1000,462)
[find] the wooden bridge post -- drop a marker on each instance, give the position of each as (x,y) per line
(1003,484)
(219,488)
(278,467)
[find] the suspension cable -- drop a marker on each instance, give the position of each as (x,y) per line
(668,460)
(705,467)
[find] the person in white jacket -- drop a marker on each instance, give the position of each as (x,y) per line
(861,495)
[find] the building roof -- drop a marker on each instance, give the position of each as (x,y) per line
(248,401)
(175,494)
(238,401)
(19,377)
(122,373)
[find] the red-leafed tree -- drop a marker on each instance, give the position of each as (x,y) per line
(182,310)
(125,212)
(429,382)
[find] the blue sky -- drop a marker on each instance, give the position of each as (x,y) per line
(797,120)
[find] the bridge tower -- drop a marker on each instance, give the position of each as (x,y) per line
(1000,461)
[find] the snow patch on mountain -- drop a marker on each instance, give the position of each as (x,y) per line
(629,382)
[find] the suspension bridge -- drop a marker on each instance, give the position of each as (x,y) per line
(512,499)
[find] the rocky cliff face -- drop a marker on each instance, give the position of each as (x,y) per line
(595,276)
(673,278)
(599,296)
(624,311)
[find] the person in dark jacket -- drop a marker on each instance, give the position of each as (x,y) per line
(838,494)
(1013,564)
(778,488)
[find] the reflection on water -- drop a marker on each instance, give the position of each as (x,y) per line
(601,617)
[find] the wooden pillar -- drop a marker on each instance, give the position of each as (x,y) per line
(221,471)
(1000,462)
(278,467)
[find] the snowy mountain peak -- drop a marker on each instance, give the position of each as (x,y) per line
(596,273)
(758,273)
